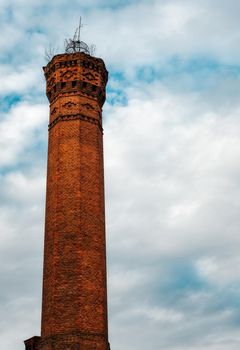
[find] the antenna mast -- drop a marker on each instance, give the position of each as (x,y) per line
(75,44)
(79,28)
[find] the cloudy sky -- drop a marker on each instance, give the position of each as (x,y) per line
(172,170)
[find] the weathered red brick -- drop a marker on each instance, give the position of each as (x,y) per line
(74,305)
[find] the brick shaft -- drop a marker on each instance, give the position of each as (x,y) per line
(74,305)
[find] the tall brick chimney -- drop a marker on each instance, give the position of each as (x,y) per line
(74,304)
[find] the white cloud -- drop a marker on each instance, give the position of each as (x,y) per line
(172,194)
(22,197)
(178,167)
(20,128)
(221,270)
(18,81)
(145,32)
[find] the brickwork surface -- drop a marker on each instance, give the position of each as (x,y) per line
(74,309)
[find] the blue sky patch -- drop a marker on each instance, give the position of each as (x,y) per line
(7,102)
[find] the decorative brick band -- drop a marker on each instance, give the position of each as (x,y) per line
(82,60)
(75,117)
(76,86)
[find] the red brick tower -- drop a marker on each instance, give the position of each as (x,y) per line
(74,306)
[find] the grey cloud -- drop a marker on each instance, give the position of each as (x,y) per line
(172,189)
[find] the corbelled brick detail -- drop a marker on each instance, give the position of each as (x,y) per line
(74,306)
